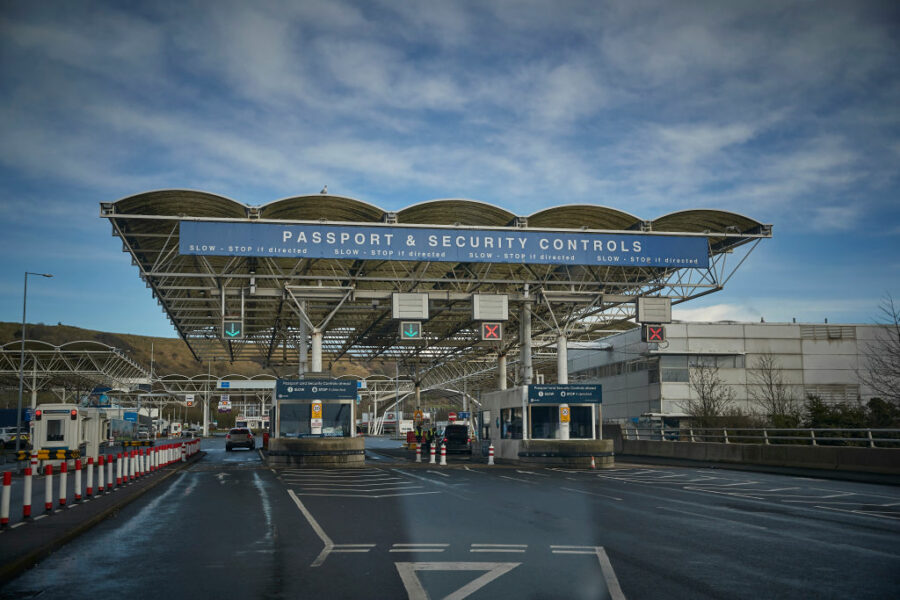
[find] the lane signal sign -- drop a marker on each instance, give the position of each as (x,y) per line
(410,330)
(232,330)
(653,333)
(492,330)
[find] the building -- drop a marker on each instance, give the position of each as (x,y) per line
(640,378)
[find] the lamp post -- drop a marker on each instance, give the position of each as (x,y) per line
(22,360)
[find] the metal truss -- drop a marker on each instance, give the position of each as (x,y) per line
(76,366)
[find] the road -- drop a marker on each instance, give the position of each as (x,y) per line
(230,527)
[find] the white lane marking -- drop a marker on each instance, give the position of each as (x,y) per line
(861,512)
(466,467)
(428,479)
(612,582)
(438,473)
(517,479)
(516,548)
(419,544)
(39,518)
(592,493)
(532,473)
(329,545)
(414,588)
(416,550)
(355,548)
(368,495)
(710,517)
(17,525)
(408,486)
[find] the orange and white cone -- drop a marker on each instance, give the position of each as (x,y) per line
(593,464)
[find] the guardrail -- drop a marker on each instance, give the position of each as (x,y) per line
(868,437)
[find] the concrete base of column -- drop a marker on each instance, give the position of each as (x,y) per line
(317,452)
(568,453)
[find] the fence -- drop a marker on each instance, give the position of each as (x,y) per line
(871,438)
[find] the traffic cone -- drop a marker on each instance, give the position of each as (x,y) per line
(593,464)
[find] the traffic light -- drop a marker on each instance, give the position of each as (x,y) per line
(491,330)
(653,333)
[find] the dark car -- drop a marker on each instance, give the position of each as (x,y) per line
(239,436)
(457,439)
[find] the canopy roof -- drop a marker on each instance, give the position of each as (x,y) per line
(583,302)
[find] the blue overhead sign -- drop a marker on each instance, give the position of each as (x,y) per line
(208,238)
(570,393)
(130,416)
(315,389)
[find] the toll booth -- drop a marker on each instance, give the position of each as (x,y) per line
(65,431)
(551,424)
(314,423)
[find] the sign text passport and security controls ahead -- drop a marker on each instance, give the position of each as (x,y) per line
(560,393)
(212,238)
(316,389)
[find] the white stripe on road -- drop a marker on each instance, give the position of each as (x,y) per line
(329,545)
(592,493)
(517,479)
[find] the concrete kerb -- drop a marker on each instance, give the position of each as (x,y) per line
(23,547)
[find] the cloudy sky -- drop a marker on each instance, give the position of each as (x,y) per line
(788,112)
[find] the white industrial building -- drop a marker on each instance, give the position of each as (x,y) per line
(640,378)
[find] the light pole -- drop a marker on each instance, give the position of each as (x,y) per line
(22,360)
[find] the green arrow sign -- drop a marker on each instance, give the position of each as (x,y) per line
(233,329)
(410,330)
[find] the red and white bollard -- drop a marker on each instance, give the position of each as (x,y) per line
(89,490)
(118,469)
(63,476)
(100,469)
(418,453)
(443,454)
(131,469)
(4,499)
(26,501)
(109,473)
(77,480)
(491,454)
(183,452)
(433,446)
(48,488)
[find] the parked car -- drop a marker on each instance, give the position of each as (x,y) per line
(8,437)
(239,436)
(457,439)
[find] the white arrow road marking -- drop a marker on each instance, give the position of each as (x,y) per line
(414,587)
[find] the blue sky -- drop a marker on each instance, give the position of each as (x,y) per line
(788,112)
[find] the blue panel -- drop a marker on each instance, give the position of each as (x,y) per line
(572,393)
(315,389)
(441,245)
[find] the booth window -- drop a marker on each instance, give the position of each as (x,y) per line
(580,423)
(545,422)
(295,419)
(55,430)
(336,420)
(511,423)
(484,419)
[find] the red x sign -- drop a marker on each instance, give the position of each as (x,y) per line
(654,333)
(491,331)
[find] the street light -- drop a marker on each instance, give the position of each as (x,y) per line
(22,360)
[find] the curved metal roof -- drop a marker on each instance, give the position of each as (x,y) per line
(586,300)
(473,213)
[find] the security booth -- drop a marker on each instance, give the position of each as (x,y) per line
(56,431)
(547,424)
(315,423)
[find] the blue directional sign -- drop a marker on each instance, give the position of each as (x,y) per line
(232,330)
(130,416)
(315,389)
(383,242)
(575,393)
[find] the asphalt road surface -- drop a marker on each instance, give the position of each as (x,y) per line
(229,527)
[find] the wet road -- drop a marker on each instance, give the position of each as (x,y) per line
(230,527)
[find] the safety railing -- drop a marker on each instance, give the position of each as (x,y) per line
(868,437)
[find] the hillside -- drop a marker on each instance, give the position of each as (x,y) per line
(170,355)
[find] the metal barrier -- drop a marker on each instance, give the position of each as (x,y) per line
(868,437)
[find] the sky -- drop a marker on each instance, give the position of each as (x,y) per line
(785,111)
